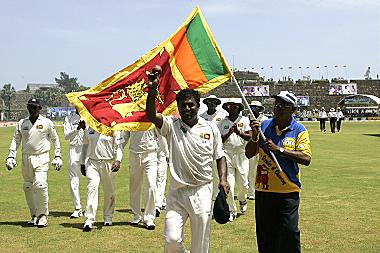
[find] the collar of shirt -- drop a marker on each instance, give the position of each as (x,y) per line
(290,126)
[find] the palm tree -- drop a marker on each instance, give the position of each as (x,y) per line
(7,94)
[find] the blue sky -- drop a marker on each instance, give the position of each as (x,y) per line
(92,40)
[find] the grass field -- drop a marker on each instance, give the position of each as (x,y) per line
(340,204)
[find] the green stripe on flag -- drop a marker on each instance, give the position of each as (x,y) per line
(203,49)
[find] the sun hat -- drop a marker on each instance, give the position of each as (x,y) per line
(232,102)
(211,97)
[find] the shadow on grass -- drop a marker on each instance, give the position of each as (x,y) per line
(59,214)
(124,211)
(23,224)
(374,135)
(100,225)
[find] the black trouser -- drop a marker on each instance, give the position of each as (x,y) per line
(277,222)
(338,124)
(332,124)
(322,124)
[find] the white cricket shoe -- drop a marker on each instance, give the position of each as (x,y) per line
(136,220)
(42,221)
(232,216)
(33,221)
(150,225)
(251,197)
(87,226)
(108,222)
(76,214)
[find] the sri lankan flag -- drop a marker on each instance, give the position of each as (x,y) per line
(189,58)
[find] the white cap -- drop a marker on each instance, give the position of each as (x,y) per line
(256,103)
(287,97)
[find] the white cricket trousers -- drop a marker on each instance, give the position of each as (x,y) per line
(161,180)
(74,174)
(143,165)
(237,171)
(100,171)
(34,172)
(184,203)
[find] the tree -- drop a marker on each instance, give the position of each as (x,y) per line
(66,83)
(50,97)
(7,94)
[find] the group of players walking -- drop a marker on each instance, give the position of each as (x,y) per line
(197,153)
(335,118)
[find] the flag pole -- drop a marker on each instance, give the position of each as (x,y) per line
(245,102)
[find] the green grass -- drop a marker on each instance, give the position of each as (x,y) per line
(340,205)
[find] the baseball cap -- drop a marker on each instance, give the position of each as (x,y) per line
(287,96)
(34,101)
(221,211)
(211,97)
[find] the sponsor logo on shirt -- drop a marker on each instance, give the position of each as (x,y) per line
(289,143)
(205,136)
(240,125)
(218,119)
(39,126)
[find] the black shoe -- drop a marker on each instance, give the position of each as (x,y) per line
(158,212)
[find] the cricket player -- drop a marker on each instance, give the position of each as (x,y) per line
(163,158)
(257,109)
(100,159)
(35,134)
(193,144)
(235,131)
(214,115)
(73,129)
(142,164)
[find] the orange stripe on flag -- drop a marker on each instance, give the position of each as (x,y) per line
(186,62)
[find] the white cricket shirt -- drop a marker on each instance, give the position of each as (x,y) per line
(234,144)
(70,130)
(216,117)
(102,147)
(35,137)
(141,141)
(191,151)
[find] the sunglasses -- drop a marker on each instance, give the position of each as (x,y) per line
(233,106)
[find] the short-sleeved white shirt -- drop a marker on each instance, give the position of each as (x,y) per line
(216,117)
(35,137)
(141,141)
(191,151)
(70,130)
(234,144)
(101,147)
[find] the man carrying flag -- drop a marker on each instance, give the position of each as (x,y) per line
(194,144)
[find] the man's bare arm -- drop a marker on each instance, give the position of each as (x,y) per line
(151,112)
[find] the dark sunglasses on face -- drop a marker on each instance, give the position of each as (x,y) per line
(233,107)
